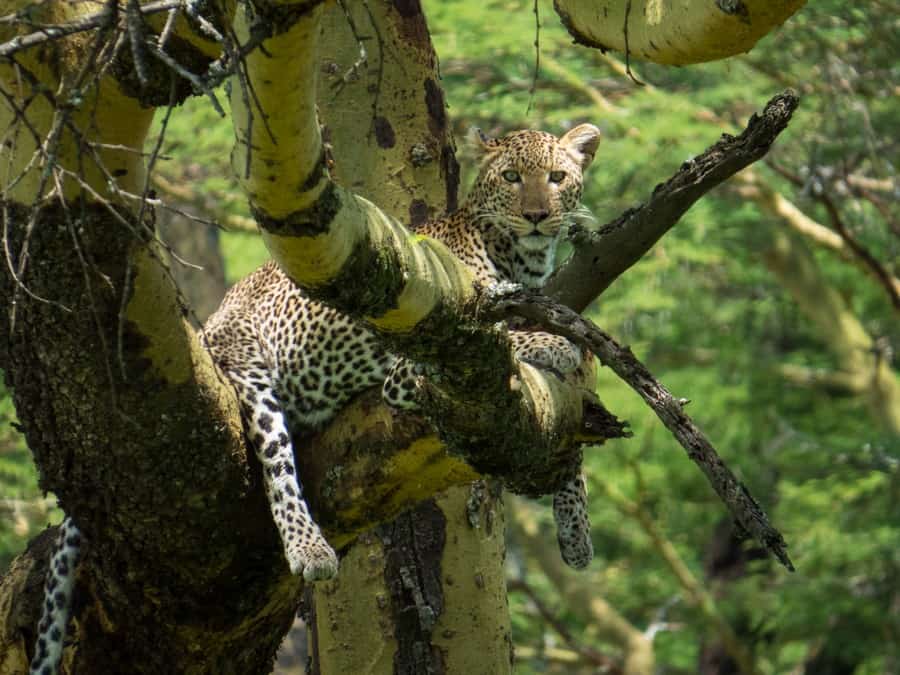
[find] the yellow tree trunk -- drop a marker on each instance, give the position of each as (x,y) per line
(389,134)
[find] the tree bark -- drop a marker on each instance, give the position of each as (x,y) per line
(673,33)
(441,609)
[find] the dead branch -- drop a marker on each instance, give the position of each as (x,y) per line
(507,301)
(601,257)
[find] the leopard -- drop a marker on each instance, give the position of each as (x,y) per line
(295,362)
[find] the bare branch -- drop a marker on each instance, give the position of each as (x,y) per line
(601,257)
(48,33)
(509,301)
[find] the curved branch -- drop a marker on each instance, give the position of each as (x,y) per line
(673,33)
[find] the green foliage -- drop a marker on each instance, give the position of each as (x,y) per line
(23,511)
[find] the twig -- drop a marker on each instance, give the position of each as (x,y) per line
(505,301)
(85,270)
(627,49)
(860,251)
(86,23)
(134,25)
(199,84)
(352,73)
(537,56)
(588,654)
(847,243)
(166,32)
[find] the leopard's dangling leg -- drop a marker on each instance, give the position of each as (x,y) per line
(570,505)
(304,546)
(57,600)
(573,525)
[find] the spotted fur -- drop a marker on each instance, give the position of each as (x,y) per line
(295,362)
(57,606)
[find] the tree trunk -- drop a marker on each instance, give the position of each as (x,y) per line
(428,574)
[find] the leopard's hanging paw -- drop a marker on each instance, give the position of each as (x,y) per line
(573,527)
(314,558)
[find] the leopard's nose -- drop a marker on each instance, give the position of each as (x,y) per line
(535,216)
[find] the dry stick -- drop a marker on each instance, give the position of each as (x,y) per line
(504,301)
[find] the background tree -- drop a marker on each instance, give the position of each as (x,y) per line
(512,74)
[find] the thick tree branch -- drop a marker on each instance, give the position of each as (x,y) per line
(541,311)
(600,257)
(346,252)
(673,33)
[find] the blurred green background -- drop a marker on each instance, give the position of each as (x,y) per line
(755,307)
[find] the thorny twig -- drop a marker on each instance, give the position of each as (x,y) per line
(862,253)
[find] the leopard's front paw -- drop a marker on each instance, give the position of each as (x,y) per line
(560,356)
(316,560)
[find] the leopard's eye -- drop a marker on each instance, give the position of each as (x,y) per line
(511,176)
(557,176)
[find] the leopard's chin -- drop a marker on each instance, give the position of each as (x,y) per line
(536,242)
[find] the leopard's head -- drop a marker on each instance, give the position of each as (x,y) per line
(529,182)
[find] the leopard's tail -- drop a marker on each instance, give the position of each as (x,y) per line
(58,586)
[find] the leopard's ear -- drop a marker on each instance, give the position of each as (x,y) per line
(581,142)
(482,146)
